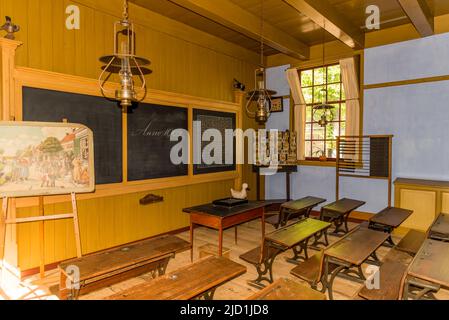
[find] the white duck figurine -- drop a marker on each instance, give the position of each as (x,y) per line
(240,194)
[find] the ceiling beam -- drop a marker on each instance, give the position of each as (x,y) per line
(420,14)
(234,17)
(325,15)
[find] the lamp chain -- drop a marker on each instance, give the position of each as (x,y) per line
(125,10)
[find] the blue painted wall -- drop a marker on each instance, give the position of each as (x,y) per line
(418,116)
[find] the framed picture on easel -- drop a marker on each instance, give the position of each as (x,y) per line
(42,158)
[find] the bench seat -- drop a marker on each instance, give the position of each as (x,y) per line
(412,242)
(253,256)
(104,268)
(391,275)
(311,270)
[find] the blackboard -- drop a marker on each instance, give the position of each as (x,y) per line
(379,157)
(149,147)
(102,116)
(220,121)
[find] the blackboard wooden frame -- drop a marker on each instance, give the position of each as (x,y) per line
(70,107)
(204,169)
(28,77)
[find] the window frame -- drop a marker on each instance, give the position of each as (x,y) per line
(312,123)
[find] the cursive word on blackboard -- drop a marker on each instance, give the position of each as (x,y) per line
(149,131)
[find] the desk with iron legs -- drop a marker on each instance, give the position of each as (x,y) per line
(440,228)
(389,219)
(349,253)
(338,213)
(295,236)
(430,264)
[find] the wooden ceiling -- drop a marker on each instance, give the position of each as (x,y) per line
(291,26)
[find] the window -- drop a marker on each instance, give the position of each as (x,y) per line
(320,85)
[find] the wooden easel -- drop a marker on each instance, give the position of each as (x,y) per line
(5,220)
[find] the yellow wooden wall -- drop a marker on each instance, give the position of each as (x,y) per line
(184,60)
(111,221)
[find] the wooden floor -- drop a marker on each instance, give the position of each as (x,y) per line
(249,238)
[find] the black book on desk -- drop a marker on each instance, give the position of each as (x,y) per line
(230,202)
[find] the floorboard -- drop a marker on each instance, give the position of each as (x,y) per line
(238,289)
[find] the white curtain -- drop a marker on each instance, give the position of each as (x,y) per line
(350,79)
(299,109)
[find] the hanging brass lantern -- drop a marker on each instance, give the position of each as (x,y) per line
(261,95)
(125,63)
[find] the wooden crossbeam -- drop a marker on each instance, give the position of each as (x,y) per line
(420,15)
(324,14)
(234,17)
(40,218)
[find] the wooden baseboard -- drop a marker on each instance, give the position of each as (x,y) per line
(54,265)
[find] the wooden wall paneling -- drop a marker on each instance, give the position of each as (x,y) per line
(423,204)
(445,202)
(185,61)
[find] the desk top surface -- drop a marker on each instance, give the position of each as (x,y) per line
(293,234)
(431,263)
(441,225)
(222,211)
(344,205)
(391,216)
(302,204)
(357,245)
(110,260)
(286,289)
(187,282)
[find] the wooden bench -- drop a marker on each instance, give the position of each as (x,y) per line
(411,242)
(195,281)
(295,236)
(262,261)
(286,289)
(392,276)
(312,271)
(91,272)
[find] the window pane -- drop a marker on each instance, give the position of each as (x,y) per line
(318,132)
(308,114)
(306,78)
(319,94)
(333,74)
(317,149)
(343,111)
(342,128)
(308,149)
(319,76)
(308,132)
(332,130)
(331,149)
(308,94)
(335,112)
(333,92)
